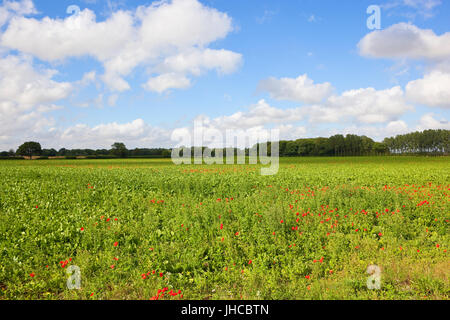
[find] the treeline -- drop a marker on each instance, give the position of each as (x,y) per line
(118,150)
(338,145)
(427,142)
(102,153)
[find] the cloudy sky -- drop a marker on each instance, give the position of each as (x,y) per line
(87,73)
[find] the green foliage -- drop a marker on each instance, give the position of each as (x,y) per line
(352,212)
(428,141)
(119,150)
(29,149)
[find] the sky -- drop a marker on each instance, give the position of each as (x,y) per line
(88,73)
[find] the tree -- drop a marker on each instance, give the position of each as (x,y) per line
(29,149)
(337,142)
(119,149)
(380,148)
(49,152)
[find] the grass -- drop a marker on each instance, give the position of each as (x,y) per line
(352,212)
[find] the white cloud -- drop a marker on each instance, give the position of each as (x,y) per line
(167,81)
(259,114)
(253,125)
(26,95)
(10,9)
(432,90)
(406,41)
(301,89)
(393,128)
(134,134)
(197,61)
(428,121)
(172,34)
(367,105)
(292,132)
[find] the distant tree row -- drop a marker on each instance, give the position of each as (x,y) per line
(426,142)
(338,145)
(118,150)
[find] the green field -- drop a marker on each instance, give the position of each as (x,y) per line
(134,227)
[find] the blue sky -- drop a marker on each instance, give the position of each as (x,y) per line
(310,68)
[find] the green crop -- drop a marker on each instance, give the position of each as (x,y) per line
(143,229)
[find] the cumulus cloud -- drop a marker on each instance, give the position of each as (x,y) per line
(248,127)
(259,114)
(212,132)
(428,121)
(406,41)
(10,9)
(169,36)
(367,105)
(167,81)
(301,89)
(197,62)
(253,124)
(133,134)
(393,128)
(432,90)
(378,133)
(26,95)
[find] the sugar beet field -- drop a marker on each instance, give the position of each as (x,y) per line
(147,229)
